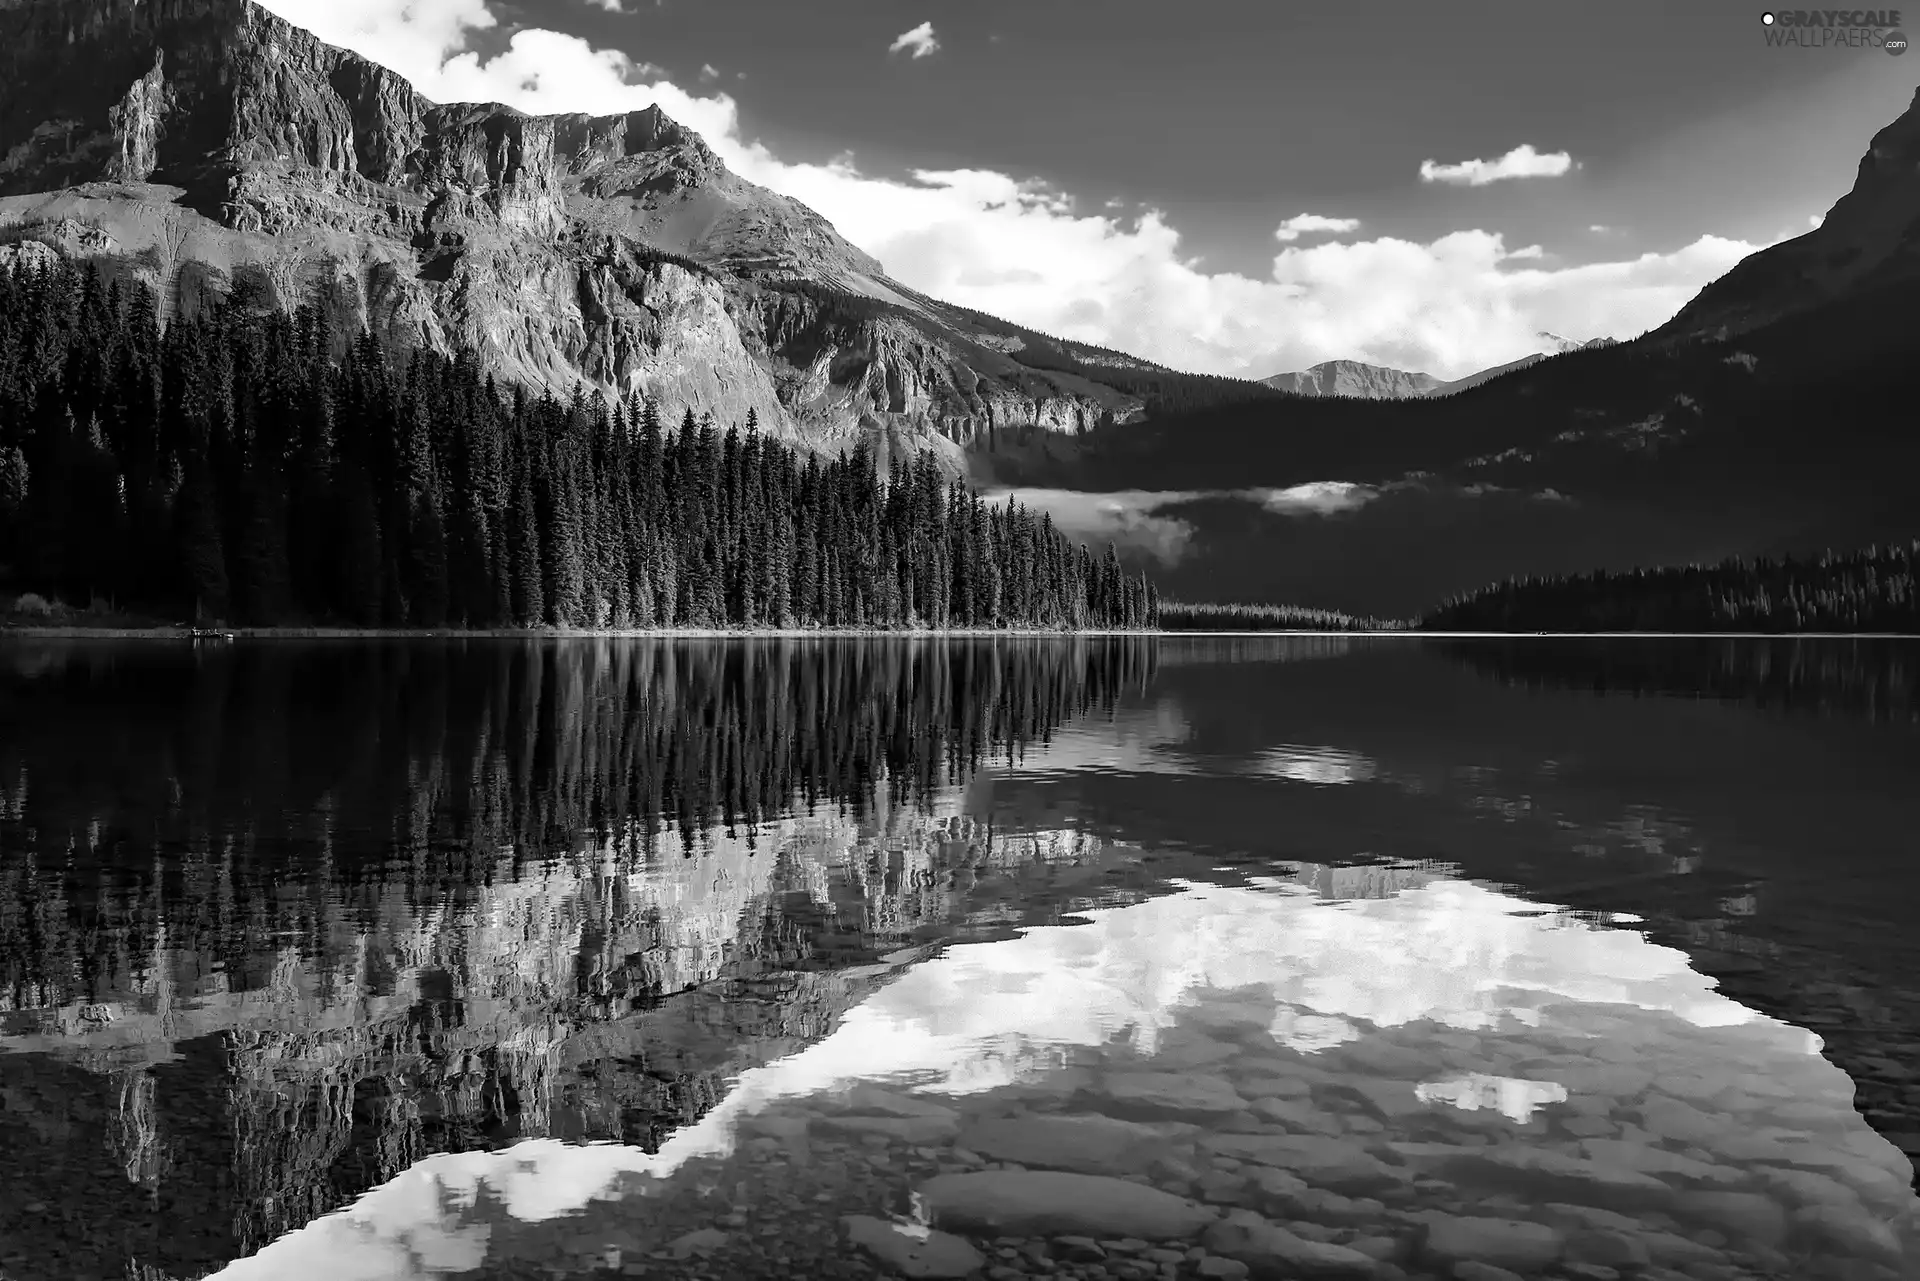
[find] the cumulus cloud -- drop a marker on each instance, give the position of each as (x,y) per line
(1522,162)
(1303,224)
(1025,251)
(707,71)
(611,6)
(920,40)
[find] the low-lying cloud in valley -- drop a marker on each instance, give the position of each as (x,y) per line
(1025,251)
(1148,521)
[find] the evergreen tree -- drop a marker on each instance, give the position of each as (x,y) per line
(229,465)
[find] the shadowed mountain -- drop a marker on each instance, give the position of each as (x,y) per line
(1869,240)
(1783,427)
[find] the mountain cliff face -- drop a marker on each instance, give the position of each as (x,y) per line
(204,145)
(1870,238)
(1377,382)
(1354,378)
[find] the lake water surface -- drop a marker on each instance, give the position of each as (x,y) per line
(1102,958)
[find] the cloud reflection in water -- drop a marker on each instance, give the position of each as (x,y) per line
(988,1014)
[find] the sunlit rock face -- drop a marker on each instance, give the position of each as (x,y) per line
(1441,1078)
(204,145)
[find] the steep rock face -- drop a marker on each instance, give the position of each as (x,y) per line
(1870,237)
(1377,382)
(200,144)
(1354,378)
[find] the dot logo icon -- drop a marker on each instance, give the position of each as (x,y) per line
(1766,19)
(1894,42)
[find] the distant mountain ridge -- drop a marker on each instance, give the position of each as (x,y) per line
(1354,378)
(1378,382)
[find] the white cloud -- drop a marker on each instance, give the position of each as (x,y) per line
(1436,959)
(1141,520)
(1522,162)
(707,71)
(1316,498)
(611,6)
(921,40)
(1022,250)
(1304,224)
(1600,229)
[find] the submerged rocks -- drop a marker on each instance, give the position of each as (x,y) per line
(902,1118)
(1296,1115)
(1058,1203)
(1673,1167)
(1505,1243)
(1088,1143)
(1391,1101)
(913,1252)
(901,1129)
(1844,1229)
(1557,1174)
(1169,1094)
(1271,1167)
(1270,1250)
(1744,1216)
(1341,1164)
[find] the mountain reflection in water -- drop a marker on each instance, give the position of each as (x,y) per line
(664,959)
(1260,1047)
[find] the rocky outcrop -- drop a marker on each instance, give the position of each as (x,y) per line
(1354,378)
(1871,237)
(200,145)
(1377,382)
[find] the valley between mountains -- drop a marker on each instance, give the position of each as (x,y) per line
(216,155)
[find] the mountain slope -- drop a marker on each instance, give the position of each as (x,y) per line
(1354,378)
(205,145)
(1685,445)
(1870,238)
(1378,382)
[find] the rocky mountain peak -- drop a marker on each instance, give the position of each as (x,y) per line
(1354,378)
(194,143)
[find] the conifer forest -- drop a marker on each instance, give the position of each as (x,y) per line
(235,466)
(1871,589)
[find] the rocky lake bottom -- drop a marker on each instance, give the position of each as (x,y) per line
(1125,962)
(1239,1131)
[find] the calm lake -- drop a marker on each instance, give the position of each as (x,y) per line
(1104,958)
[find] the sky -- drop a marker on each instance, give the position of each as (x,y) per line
(1226,186)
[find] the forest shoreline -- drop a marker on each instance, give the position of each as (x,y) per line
(172,633)
(111,632)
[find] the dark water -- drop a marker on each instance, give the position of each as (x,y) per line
(1094,958)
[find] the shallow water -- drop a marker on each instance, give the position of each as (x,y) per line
(1092,958)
